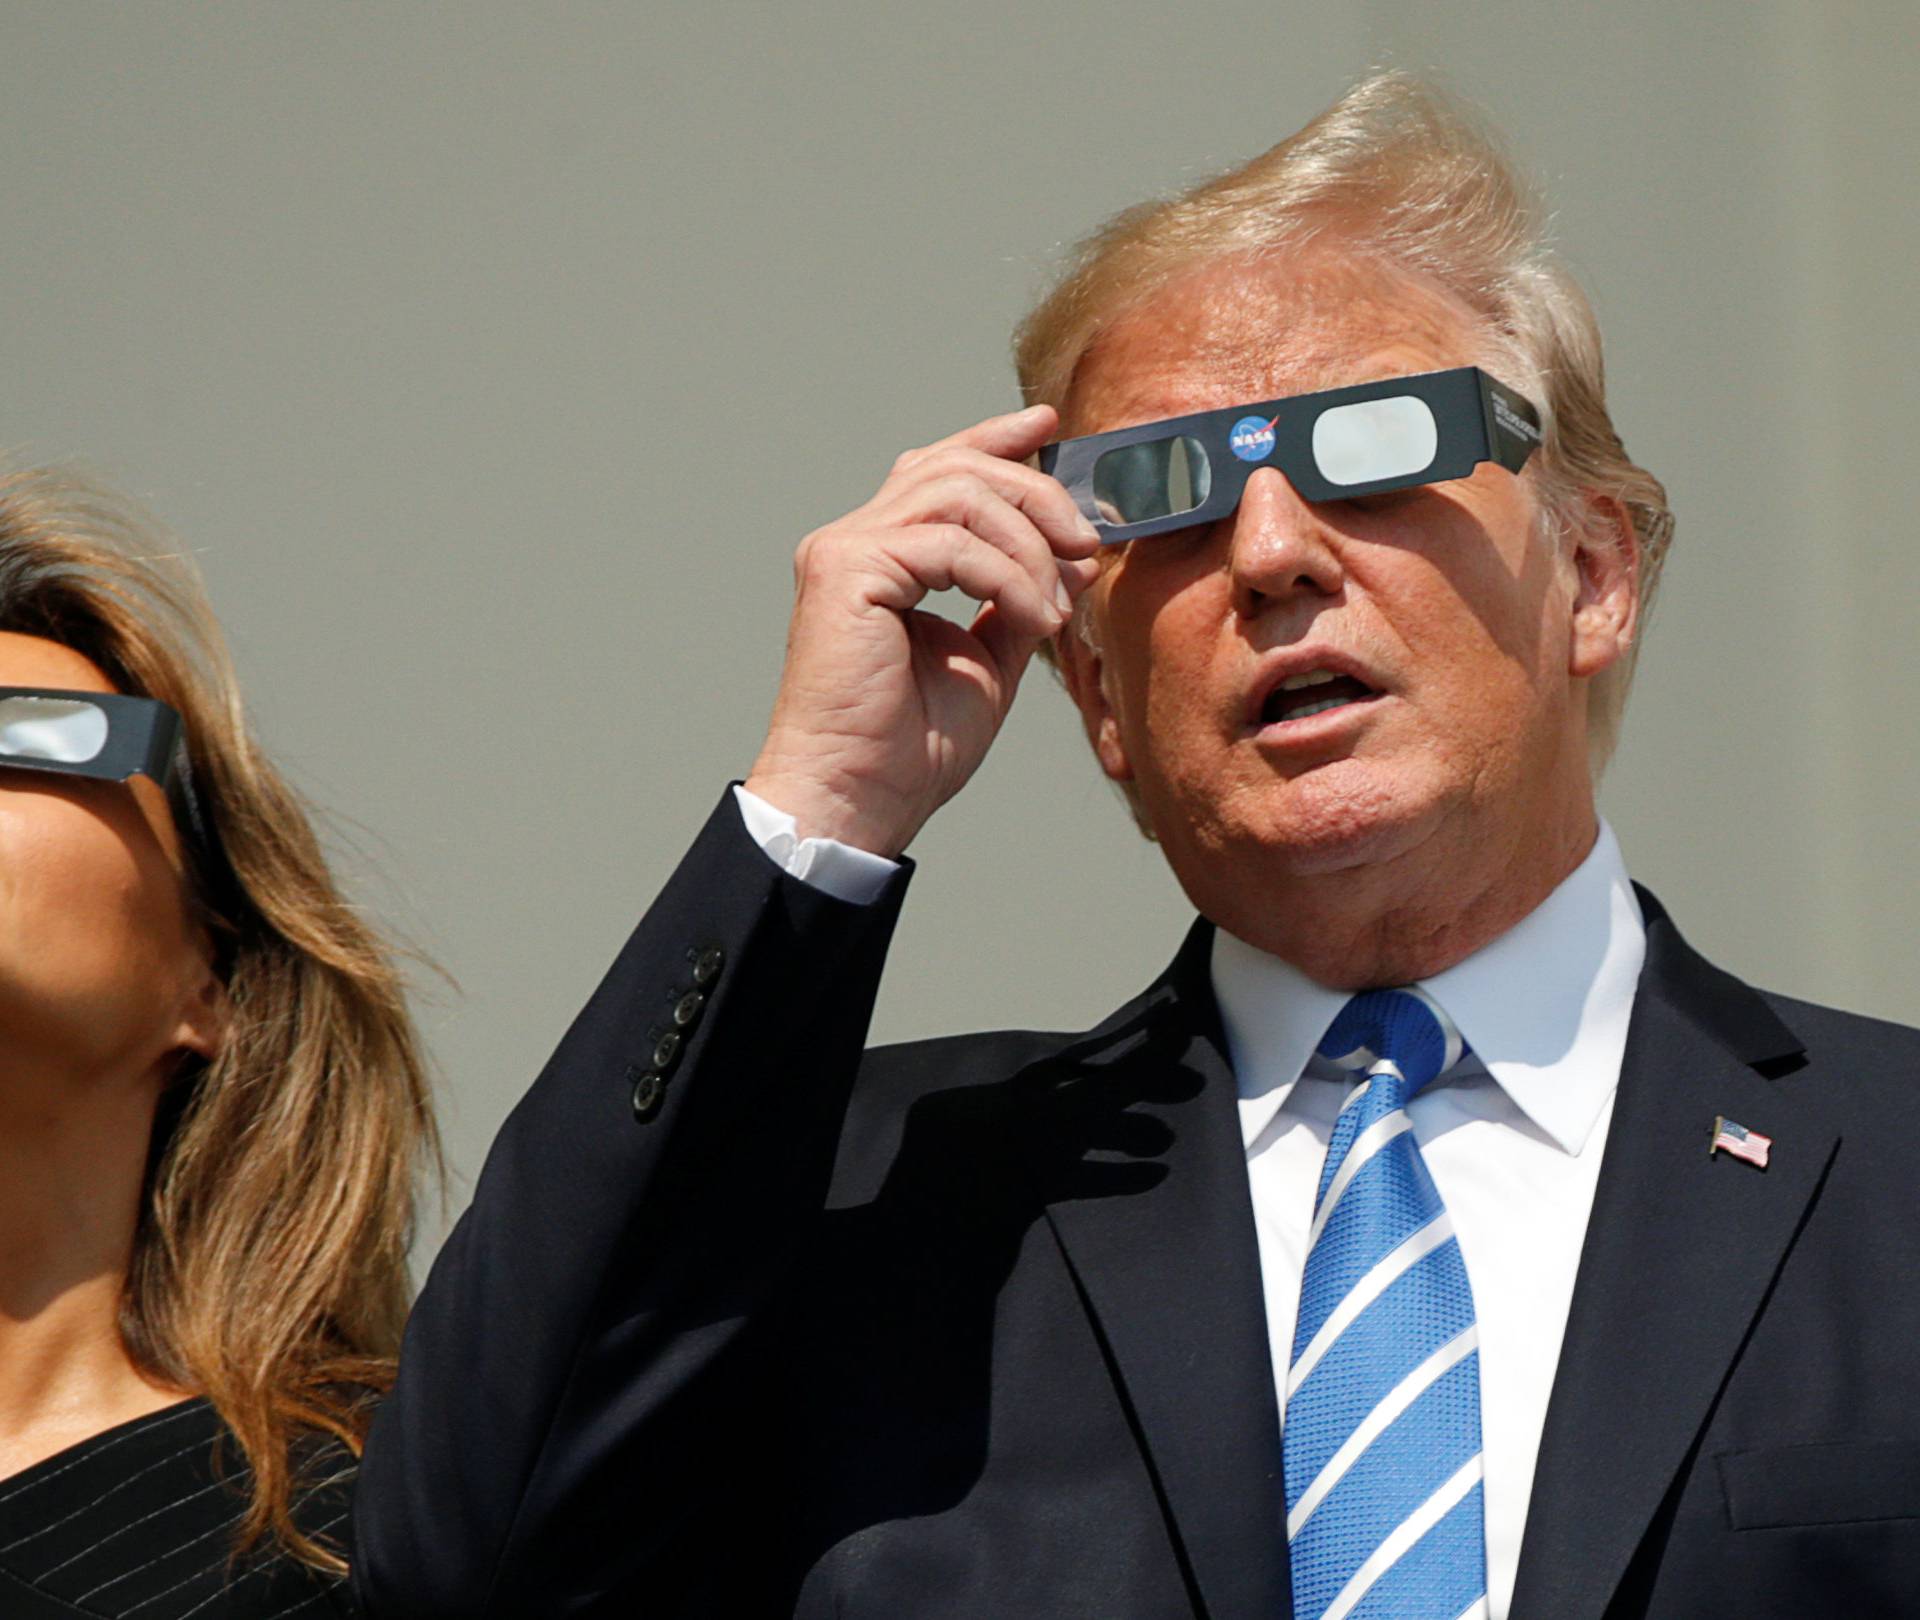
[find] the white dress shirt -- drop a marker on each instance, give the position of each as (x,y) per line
(1513,1138)
(854,875)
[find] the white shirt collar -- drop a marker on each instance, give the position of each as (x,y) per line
(1544,1007)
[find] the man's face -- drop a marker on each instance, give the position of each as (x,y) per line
(1459,638)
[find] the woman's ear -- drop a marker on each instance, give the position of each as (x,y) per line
(206,1009)
(1606,593)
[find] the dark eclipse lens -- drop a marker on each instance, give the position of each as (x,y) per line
(1161,478)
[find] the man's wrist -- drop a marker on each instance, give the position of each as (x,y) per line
(820,812)
(842,870)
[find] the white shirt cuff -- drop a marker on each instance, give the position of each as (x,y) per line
(854,875)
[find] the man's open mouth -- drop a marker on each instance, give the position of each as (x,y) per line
(1314,691)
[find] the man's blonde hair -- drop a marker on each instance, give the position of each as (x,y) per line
(1397,172)
(269,1267)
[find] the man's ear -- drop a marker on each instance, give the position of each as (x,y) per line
(1606,586)
(1083,673)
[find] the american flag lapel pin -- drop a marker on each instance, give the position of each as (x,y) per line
(1739,1141)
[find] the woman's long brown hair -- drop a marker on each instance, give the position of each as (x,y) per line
(269,1269)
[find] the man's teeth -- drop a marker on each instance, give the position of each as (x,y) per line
(1291,699)
(1319,708)
(1313,677)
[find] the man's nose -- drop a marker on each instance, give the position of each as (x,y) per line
(1279,546)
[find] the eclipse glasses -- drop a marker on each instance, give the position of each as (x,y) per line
(1337,444)
(106,736)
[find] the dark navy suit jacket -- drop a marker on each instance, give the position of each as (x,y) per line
(972,1328)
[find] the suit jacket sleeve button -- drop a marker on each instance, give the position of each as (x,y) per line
(666,1051)
(707,965)
(649,1091)
(687,1010)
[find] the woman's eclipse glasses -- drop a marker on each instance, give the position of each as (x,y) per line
(107,737)
(1338,444)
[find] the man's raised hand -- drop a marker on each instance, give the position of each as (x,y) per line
(885,710)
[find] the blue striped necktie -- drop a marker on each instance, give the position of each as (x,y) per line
(1382,1434)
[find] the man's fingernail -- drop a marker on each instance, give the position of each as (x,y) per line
(1062,597)
(1087,530)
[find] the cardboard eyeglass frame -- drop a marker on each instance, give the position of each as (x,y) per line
(1476,418)
(143,737)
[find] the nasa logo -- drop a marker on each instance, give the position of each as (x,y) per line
(1251,438)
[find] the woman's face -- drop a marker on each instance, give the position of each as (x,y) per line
(106,976)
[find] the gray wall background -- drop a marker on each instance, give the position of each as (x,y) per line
(493,358)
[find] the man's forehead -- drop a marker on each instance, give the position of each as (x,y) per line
(1242,330)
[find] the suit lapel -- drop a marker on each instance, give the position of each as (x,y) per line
(1169,1269)
(1681,1250)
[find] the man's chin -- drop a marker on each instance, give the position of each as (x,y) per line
(1335,821)
(1325,847)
